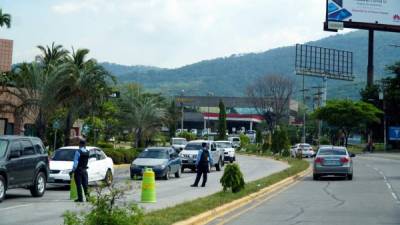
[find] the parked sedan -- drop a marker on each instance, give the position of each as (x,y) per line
(304,149)
(164,162)
(229,150)
(100,167)
(333,160)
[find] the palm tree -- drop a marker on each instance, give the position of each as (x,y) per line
(5,19)
(83,88)
(52,56)
(142,112)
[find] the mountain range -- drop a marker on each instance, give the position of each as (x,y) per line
(229,76)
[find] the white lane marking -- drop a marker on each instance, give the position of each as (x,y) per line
(15,207)
(394,195)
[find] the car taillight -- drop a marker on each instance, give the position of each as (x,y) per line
(318,160)
(344,160)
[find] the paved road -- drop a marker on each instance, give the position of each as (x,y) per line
(19,208)
(371,198)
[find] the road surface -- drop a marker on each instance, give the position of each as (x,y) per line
(371,198)
(20,208)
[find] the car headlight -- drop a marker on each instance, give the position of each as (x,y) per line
(66,171)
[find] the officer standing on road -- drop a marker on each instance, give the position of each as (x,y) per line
(79,169)
(203,160)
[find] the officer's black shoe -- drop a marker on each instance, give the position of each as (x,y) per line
(203,185)
(193,185)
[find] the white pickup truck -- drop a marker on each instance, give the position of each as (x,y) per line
(189,154)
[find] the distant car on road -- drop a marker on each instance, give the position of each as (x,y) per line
(235,141)
(189,154)
(23,164)
(333,160)
(304,149)
(229,150)
(178,143)
(100,167)
(163,160)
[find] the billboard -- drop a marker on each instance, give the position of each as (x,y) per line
(6,48)
(365,14)
(394,133)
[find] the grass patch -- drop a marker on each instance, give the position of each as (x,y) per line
(189,209)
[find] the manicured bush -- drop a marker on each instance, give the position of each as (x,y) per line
(252,148)
(121,155)
(280,141)
(244,140)
(104,145)
(232,178)
(187,135)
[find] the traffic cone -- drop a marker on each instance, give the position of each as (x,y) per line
(73,194)
(148,187)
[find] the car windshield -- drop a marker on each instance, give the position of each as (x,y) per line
(3,147)
(64,155)
(154,154)
(178,141)
(332,151)
(193,146)
(224,145)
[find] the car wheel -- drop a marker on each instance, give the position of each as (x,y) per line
(178,173)
(315,177)
(222,162)
(349,176)
(108,179)
(231,160)
(3,188)
(218,166)
(167,174)
(234,158)
(39,185)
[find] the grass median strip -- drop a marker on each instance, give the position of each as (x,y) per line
(192,208)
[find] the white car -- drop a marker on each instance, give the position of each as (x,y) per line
(189,154)
(178,143)
(229,150)
(235,141)
(304,149)
(100,167)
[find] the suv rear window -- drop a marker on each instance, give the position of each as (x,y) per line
(3,147)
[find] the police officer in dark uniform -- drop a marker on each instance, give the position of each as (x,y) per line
(203,160)
(79,169)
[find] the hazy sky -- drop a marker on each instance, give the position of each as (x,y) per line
(164,33)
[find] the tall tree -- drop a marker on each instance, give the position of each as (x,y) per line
(172,117)
(347,115)
(5,19)
(222,121)
(271,97)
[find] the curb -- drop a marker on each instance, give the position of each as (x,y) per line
(210,215)
(121,166)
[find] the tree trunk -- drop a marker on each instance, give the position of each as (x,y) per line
(67,129)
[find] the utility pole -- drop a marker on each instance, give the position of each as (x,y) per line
(182,92)
(370,68)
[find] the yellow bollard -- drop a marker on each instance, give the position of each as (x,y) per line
(148,187)
(73,194)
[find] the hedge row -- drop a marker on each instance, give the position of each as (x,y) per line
(121,155)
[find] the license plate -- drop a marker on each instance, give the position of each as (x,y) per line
(331,163)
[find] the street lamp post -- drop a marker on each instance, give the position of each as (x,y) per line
(208,115)
(382,97)
(182,92)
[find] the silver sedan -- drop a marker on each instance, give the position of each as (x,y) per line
(333,160)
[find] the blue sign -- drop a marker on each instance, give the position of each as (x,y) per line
(394,133)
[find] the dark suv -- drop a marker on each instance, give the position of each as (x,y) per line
(23,164)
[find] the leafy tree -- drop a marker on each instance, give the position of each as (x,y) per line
(222,121)
(5,19)
(280,141)
(347,115)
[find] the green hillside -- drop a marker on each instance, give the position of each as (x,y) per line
(229,76)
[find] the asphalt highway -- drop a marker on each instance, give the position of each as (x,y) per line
(20,208)
(371,198)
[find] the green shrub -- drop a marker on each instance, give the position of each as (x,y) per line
(252,148)
(104,145)
(104,210)
(187,135)
(121,155)
(232,178)
(244,140)
(280,141)
(324,141)
(286,153)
